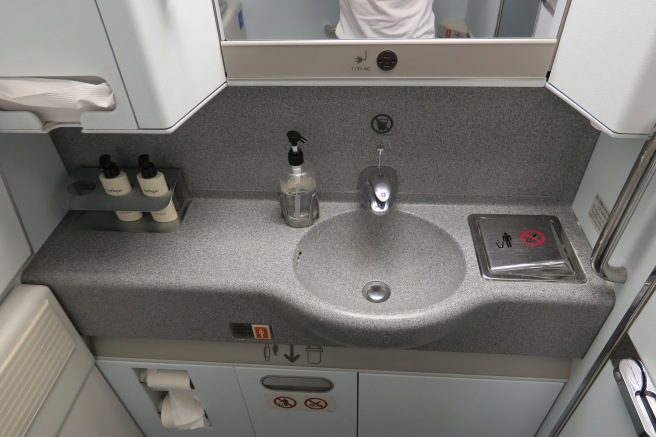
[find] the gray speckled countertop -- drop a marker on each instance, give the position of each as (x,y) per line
(231,260)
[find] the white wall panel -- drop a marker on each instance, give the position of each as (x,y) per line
(14,249)
(35,176)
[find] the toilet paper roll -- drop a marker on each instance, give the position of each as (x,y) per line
(166,414)
(203,422)
(181,409)
(186,408)
(165,380)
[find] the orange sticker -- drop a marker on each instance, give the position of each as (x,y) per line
(261,332)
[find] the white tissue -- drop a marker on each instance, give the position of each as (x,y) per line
(200,423)
(166,414)
(54,100)
(182,409)
(186,408)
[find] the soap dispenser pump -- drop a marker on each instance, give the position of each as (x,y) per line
(298,187)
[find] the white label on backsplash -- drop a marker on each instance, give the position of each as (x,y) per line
(598,213)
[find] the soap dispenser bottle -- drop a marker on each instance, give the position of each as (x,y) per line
(153,184)
(298,187)
(116,183)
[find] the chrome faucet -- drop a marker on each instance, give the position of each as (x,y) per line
(378,185)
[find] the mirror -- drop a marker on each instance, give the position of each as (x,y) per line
(456,42)
(294,20)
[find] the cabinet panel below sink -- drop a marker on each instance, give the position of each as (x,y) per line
(392,405)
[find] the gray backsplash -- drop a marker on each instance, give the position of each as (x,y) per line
(448,144)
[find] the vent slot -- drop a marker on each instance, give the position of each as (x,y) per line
(242,330)
(31,369)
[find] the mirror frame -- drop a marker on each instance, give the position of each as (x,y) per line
(525,61)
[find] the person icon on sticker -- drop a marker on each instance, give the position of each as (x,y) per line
(505,240)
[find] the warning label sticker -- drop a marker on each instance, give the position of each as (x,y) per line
(316,403)
(300,402)
(598,213)
(284,402)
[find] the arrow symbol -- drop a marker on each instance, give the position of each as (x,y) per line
(291,358)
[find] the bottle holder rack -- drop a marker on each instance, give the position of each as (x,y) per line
(84,192)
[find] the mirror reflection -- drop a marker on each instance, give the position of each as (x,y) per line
(261,20)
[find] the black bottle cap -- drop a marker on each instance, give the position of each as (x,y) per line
(148,169)
(109,168)
(295,158)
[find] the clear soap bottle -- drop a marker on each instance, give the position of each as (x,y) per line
(298,187)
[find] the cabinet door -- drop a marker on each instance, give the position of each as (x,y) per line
(64,38)
(216,387)
(291,413)
(396,405)
(168,53)
(602,411)
(606,63)
(14,249)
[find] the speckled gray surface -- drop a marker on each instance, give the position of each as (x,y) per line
(420,262)
(233,261)
(521,144)
(458,151)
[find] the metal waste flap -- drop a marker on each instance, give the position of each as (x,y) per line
(524,248)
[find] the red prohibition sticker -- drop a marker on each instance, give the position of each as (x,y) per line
(532,238)
(284,402)
(316,403)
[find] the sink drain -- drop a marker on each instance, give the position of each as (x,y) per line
(376,291)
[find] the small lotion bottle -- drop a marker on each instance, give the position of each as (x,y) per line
(116,183)
(153,184)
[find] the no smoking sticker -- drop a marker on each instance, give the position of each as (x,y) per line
(532,238)
(316,404)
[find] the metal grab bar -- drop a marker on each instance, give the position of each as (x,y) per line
(619,217)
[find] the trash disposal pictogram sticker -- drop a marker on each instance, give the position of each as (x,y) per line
(284,402)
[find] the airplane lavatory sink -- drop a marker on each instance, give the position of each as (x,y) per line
(379,279)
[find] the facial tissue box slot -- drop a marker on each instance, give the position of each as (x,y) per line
(55,100)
